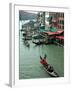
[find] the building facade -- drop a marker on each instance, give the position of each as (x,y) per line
(57,20)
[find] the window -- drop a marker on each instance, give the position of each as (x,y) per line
(62,27)
(63,22)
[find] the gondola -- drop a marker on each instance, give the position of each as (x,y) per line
(38,43)
(51,73)
(26,43)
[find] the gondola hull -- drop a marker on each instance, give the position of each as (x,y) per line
(52,74)
(38,43)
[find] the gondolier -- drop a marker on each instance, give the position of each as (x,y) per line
(43,60)
(49,68)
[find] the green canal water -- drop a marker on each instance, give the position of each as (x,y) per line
(29,59)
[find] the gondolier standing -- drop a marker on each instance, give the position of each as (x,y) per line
(45,63)
(50,70)
(43,60)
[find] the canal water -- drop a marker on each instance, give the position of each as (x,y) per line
(29,59)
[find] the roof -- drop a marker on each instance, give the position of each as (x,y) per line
(53,29)
(43,30)
(55,33)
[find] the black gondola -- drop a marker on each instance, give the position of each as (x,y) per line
(51,72)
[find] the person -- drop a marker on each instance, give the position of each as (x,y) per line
(45,63)
(43,60)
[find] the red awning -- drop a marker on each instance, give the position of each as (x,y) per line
(55,33)
(60,37)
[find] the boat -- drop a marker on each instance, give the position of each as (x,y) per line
(51,73)
(26,38)
(26,43)
(38,43)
